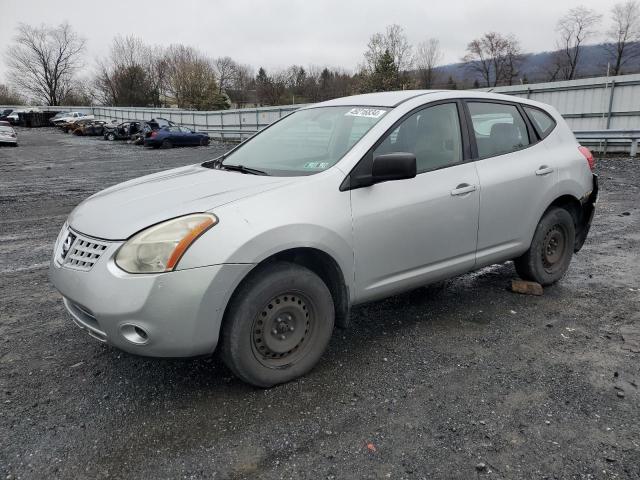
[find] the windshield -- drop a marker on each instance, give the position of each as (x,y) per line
(306,141)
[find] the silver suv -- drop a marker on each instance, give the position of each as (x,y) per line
(261,251)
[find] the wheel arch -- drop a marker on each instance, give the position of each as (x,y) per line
(319,262)
(577,211)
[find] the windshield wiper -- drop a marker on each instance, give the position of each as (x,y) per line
(241,168)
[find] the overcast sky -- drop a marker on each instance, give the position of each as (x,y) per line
(278,33)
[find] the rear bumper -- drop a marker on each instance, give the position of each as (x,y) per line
(588,210)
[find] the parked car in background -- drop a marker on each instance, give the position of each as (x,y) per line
(122,131)
(90,128)
(175,136)
(58,116)
(71,117)
(151,126)
(68,127)
(13,117)
(8,135)
(262,250)
(5,113)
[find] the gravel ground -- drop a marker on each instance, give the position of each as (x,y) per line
(467,381)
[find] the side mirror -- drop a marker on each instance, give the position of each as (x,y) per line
(393,166)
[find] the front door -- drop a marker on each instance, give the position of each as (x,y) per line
(411,232)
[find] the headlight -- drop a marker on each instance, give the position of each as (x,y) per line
(159,248)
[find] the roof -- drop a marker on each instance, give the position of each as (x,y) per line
(380,99)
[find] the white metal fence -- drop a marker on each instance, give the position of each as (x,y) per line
(588,104)
(603,103)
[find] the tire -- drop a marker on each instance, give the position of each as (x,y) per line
(166,143)
(262,340)
(204,142)
(551,250)
(110,136)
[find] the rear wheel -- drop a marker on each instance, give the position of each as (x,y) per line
(110,136)
(549,255)
(166,143)
(278,325)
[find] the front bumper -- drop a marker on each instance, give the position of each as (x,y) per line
(180,312)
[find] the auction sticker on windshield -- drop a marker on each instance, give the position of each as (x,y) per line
(365,112)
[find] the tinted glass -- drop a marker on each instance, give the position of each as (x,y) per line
(542,120)
(185,130)
(307,141)
(432,134)
(498,128)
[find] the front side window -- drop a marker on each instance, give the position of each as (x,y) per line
(542,120)
(306,141)
(432,134)
(498,128)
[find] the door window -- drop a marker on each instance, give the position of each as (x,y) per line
(432,134)
(498,128)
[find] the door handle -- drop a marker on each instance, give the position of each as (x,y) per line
(544,170)
(463,189)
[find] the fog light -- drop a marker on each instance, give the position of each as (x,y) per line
(134,334)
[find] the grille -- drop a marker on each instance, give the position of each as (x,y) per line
(83,253)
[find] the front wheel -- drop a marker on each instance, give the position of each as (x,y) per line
(110,136)
(549,255)
(278,325)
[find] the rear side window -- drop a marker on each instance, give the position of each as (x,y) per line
(498,128)
(542,120)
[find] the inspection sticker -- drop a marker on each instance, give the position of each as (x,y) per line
(365,112)
(321,165)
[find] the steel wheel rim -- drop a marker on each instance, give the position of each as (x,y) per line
(553,248)
(283,329)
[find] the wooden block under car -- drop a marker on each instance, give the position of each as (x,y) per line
(525,287)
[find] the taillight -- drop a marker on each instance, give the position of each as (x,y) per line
(586,153)
(153,134)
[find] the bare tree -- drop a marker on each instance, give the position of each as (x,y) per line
(8,96)
(226,69)
(241,85)
(125,78)
(428,56)
(574,29)
(395,42)
(43,60)
(192,80)
(624,34)
(494,57)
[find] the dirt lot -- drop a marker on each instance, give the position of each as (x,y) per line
(470,381)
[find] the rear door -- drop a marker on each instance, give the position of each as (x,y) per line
(410,232)
(187,137)
(517,176)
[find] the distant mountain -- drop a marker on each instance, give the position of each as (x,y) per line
(593,62)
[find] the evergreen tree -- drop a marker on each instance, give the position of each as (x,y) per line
(385,75)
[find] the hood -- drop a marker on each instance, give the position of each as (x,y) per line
(124,209)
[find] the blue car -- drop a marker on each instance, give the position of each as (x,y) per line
(170,136)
